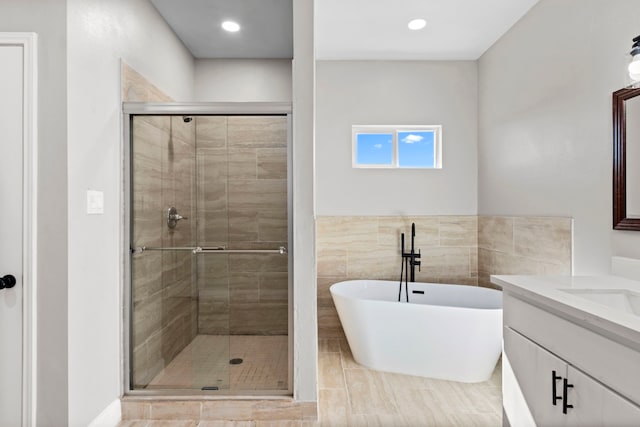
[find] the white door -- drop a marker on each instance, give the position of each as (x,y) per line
(11,232)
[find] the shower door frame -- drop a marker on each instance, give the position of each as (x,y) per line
(131,109)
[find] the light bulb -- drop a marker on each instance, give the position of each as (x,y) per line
(634,68)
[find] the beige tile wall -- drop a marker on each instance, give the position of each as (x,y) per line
(455,249)
(164,289)
(369,248)
(136,87)
(523,245)
(242,204)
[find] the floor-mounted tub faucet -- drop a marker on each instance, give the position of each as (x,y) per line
(409,262)
(412,256)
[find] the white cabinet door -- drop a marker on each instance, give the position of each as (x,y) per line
(595,405)
(11,140)
(589,403)
(536,370)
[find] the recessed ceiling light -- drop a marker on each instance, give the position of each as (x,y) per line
(417,24)
(231,26)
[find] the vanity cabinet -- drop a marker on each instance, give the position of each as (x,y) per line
(559,394)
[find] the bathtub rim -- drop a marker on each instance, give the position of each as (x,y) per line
(335,293)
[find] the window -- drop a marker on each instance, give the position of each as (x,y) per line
(397,147)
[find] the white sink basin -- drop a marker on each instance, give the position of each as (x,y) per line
(619,299)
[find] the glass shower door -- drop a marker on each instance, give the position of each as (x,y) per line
(242,207)
(164,318)
(209,280)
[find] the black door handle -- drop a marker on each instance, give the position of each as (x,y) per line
(7,281)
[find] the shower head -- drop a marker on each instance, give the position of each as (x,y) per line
(187,119)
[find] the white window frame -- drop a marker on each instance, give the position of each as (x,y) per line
(394,130)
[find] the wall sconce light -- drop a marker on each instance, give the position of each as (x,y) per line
(634,66)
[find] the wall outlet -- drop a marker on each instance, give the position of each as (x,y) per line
(95,202)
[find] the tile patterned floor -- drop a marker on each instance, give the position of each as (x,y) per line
(353,396)
(205,362)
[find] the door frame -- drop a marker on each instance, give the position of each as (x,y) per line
(28,41)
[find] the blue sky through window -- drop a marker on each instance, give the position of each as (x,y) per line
(374,149)
(415,149)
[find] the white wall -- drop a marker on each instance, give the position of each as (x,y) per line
(545,139)
(243,80)
(48,19)
(100,33)
(396,93)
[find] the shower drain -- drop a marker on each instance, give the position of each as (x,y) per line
(236,361)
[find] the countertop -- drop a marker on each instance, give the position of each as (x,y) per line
(547,292)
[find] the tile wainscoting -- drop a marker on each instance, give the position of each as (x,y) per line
(455,249)
(523,245)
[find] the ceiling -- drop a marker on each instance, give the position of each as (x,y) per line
(377,29)
(345,29)
(266,27)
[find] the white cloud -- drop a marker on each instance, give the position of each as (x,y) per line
(411,138)
(377,146)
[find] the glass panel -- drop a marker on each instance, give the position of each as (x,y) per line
(164,282)
(210,320)
(416,149)
(374,149)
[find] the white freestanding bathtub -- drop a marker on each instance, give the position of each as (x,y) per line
(450,332)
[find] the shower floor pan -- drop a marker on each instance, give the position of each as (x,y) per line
(205,362)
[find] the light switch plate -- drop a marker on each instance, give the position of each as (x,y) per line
(95,202)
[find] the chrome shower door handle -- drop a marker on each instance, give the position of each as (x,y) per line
(173,217)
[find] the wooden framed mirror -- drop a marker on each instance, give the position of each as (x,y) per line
(626,159)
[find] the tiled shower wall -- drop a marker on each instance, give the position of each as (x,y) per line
(164,285)
(242,204)
(455,249)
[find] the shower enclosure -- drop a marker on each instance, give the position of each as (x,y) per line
(209,273)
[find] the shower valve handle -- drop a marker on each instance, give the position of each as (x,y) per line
(173,217)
